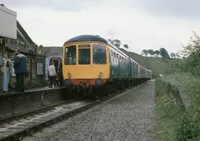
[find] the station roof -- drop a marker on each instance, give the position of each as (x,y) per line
(51,51)
(86,38)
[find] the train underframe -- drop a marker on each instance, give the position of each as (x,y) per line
(100,88)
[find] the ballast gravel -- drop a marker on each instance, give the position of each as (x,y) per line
(126,117)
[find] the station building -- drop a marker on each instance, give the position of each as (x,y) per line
(13,36)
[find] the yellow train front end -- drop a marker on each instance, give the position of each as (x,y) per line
(85,62)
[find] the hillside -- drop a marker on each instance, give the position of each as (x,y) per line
(157,65)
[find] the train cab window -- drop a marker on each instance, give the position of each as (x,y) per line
(70,55)
(99,54)
(83,54)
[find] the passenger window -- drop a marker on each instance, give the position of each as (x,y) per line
(99,54)
(112,56)
(84,54)
(70,55)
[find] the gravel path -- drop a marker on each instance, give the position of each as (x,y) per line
(128,117)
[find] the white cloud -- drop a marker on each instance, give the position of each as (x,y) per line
(138,29)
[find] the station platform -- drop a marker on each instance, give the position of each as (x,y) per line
(31,90)
(16,103)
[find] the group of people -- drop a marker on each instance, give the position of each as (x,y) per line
(55,74)
(19,67)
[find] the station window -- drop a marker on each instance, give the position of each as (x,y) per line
(99,54)
(70,55)
(84,54)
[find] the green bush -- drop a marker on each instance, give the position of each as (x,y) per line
(168,111)
(192,64)
(189,127)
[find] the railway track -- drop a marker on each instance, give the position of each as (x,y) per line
(16,128)
(30,112)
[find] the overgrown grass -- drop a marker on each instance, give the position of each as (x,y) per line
(188,128)
(181,78)
(168,112)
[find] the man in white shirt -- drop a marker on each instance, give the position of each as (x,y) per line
(52,74)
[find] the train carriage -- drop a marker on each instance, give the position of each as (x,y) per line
(91,62)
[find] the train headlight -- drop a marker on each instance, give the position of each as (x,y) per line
(100,74)
(69,75)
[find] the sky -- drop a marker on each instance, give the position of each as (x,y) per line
(142,24)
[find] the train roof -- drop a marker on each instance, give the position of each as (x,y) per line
(96,38)
(117,49)
(86,38)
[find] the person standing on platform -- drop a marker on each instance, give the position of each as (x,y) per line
(60,73)
(1,62)
(6,73)
(52,74)
(20,70)
(1,68)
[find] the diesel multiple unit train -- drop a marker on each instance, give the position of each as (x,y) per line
(92,63)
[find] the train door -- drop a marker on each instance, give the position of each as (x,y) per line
(57,62)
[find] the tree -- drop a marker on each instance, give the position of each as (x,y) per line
(144,51)
(157,52)
(193,46)
(116,43)
(192,54)
(177,55)
(126,46)
(110,40)
(173,55)
(151,52)
(164,53)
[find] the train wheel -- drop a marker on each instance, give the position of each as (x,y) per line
(113,87)
(70,92)
(78,92)
(122,85)
(74,92)
(108,89)
(95,93)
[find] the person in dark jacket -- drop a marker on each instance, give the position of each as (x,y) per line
(60,75)
(20,70)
